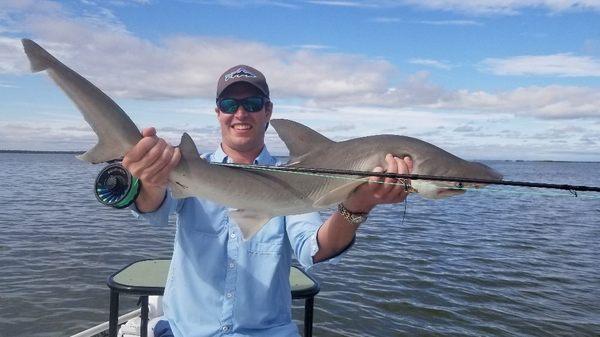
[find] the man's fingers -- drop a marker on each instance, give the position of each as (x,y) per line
(392,167)
(156,152)
(409,163)
(176,158)
(162,159)
(166,171)
(394,189)
(136,153)
(376,180)
(149,132)
(403,168)
(150,157)
(139,150)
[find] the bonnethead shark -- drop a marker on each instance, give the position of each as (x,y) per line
(255,196)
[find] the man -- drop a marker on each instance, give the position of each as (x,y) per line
(219,284)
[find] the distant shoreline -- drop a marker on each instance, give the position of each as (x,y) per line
(41,152)
(505,160)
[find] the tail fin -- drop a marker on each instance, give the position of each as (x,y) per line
(39,59)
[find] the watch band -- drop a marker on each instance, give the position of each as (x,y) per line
(353,218)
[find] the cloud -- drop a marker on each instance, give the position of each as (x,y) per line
(449,22)
(247,3)
(487,7)
(563,132)
(387,20)
(50,136)
(9,64)
(7,85)
(591,46)
(383,19)
(563,65)
(344,126)
(102,50)
(125,66)
(340,3)
(467,129)
(311,46)
(504,7)
(201,130)
(547,102)
(544,102)
(431,63)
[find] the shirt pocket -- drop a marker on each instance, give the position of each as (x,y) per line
(265,248)
(210,228)
(269,240)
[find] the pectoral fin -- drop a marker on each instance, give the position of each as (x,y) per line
(337,195)
(249,221)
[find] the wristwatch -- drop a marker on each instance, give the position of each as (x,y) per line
(353,218)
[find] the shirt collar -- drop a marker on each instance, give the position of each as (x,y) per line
(264,157)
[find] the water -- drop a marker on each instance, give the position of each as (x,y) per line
(496,262)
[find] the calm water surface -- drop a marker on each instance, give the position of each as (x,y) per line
(495,262)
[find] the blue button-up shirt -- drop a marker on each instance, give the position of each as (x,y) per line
(221,285)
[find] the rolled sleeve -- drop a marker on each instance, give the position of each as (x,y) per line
(159,217)
(302,231)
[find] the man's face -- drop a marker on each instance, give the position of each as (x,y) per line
(243,131)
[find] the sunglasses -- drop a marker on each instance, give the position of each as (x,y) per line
(250,104)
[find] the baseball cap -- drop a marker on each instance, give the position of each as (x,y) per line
(242,73)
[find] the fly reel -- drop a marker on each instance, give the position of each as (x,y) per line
(116,187)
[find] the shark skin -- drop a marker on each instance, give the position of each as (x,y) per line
(254,196)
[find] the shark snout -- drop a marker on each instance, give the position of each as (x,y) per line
(482,171)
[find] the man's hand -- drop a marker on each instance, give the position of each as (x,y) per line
(151,160)
(336,233)
(373,193)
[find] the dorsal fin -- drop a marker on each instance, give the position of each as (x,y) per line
(189,153)
(188,148)
(298,138)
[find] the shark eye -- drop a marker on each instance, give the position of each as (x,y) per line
(459,185)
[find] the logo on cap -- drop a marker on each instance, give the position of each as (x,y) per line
(240,72)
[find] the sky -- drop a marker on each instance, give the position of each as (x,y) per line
(491,79)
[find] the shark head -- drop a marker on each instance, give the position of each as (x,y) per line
(441,189)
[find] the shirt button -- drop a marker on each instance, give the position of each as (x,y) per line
(231,265)
(232,235)
(229,295)
(225,328)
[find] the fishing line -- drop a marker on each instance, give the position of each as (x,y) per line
(404,213)
(532,192)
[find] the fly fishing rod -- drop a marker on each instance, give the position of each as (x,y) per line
(116,187)
(336,172)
